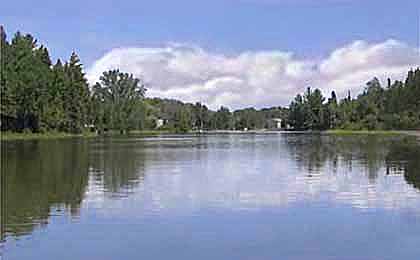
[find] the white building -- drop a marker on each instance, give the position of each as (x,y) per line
(276,123)
(160,122)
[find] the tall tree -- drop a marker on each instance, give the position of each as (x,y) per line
(26,80)
(119,96)
(46,88)
(75,95)
(314,109)
(6,102)
(297,114)
(332,111)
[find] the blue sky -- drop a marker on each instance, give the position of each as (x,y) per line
(307,27)
(310,29)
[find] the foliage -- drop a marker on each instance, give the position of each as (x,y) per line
(38,96)
(41,97)
(117,99)
(395,107)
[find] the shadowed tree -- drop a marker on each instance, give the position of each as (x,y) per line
(297,113)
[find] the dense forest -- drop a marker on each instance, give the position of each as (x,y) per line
(395,107)
(38,95)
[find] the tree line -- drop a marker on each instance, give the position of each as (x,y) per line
(38,95)
(181,116)
(397,106)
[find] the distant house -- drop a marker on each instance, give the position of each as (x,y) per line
(160,122)
(275,123)
(91,127)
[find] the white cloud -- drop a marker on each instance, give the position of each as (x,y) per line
(259,78)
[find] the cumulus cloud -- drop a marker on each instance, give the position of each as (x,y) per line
(256,78)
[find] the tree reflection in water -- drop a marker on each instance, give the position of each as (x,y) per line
(404,157)
(41,176)
(313,152)
(46,176)
(118,164)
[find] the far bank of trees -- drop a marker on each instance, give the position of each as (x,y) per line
(39,95)
(179,116)
(397,106)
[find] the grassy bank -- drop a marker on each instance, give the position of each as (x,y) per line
(364,132)
(9,136)
(152,132)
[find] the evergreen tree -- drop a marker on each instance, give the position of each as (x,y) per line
(75,96)
(297,115)
(25,81)
(7,106)
(332,112)
(46,95)
(314,109)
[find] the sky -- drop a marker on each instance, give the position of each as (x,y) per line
(237,53)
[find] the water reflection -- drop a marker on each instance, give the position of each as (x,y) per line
(404,157)
(355,169)
(117,165)
(313,152)
(254,172)
(41,176)
(172,175)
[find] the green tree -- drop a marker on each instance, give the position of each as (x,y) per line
(183,120)
(297,113)
(315,118)
(75,95)
(222,119)
(332,111)
(46,114)
(26,81)
(7,106)
(118,98)
(201,116)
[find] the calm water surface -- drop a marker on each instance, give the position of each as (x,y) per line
(277,196)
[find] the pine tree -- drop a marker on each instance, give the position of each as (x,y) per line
(46,89)
(25,80)
(297,116)
(75,95)
(54,110)
(332,112)
(7,106)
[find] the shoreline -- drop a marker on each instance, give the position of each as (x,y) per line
(10,136)
(335,132)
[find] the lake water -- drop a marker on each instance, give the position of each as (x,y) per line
(273,196)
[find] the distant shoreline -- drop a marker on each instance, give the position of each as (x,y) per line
(335,132)
(8,136)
